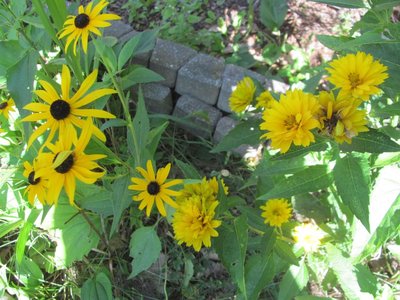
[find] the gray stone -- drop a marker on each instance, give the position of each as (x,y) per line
(224,125)
(117,29)
(157,98)
(198,117)
(231,77)
(276,86)
(201,78)
(168,58)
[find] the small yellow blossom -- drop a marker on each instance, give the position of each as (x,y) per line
(243,95)
(276,212)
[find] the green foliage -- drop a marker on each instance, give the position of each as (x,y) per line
(97,288)
(273,13)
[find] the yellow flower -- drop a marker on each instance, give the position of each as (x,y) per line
(243,95)
(308,236)
(340,118)
(88,20)
(193,222)
(357,75)
(291,120)
(265,100)
(276,212)
(6,107)
(64,165)
(63,112)
(37,187)
(154,188)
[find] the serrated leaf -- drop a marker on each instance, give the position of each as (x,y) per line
(343,3)
(311,179)
(98,288)
(120,200)
(145,248)
(231,246)
(385,220)
(96,199)
(372,141)
(293,282)
(346,274)
(352,179)
(247,132)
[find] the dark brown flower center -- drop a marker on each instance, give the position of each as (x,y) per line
(3,105)
(60,109)
(153,188)
(331,123)
(81,21)
(292,122)
(66,165)
(31,178)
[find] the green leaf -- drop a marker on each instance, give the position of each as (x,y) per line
(284,251)
(71,229)
(145,248)
(352,179)
(231,246)
(308,297)
(7,227)
(11,53)
(259,272)
(343,3)
(98,288)
(296,151)
(58,11)
(273,13)
(20,80)
(247,132)
(106,53)
(333,42)
(371,141)
(346,274)
(154,138)
(188,170)
(140,75)
(311,179)
(29,273)
(293,282)
(385,219)
(384,4)
(280,167)
(188,274)
(113,123)
(24,235)
(120,200)
(96,199)
(389,110)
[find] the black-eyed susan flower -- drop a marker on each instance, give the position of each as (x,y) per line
(357,75)
(66,163)
(340,118)
(154,188)
(308,236)
(64,113)
(6,107)
(276,212)
(194,220)
(265,100)
(291,120)
(243,95)
(37,186)
(88,20)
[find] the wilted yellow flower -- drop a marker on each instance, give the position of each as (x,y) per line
(193,221)
(340,118)
(276,212)
(291,120)
(265,100)
(37,187)
(308,236)
(357,75)
(243,95)
(88,20)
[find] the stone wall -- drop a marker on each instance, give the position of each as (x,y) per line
(196,86)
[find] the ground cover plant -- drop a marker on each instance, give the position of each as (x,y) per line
(100,200)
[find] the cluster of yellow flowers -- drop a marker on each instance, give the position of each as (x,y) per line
(58,164)
(194,218)
(296,114)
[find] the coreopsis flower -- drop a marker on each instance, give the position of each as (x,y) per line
(243,95)
(6,107)
(265,100)
(340,118)
(291,120)
(357,75)
(308,236)
(194,220)
(276,212)
(66,163)
(37,187)
(88,20)
(63,112)
(153,187)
